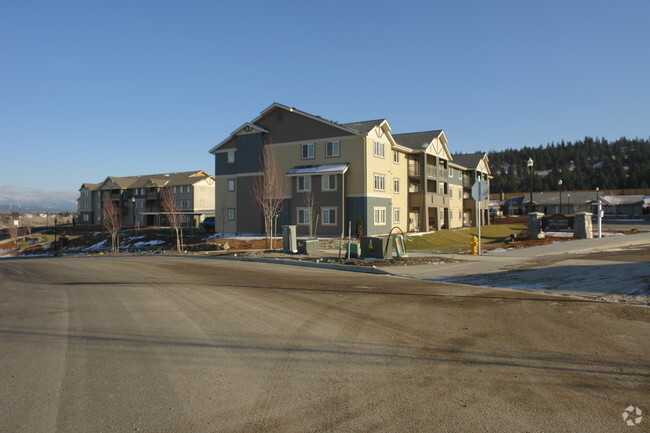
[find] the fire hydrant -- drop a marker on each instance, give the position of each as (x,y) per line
(474,245)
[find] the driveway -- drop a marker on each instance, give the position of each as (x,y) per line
(174,344)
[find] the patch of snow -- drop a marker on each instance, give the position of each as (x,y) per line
(604,250)
(148,243)
(497,250)
(418,234)
(98,246)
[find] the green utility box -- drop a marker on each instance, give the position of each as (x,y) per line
(308,246)
(400,245)
(372,247)
(354,249)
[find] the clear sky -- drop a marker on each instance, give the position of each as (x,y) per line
(96,88)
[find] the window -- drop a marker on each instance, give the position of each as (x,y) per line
(396,185)
(396,216)
(202,203)
(380,216)
(396,157)
(378,149)
(380,182)
(332,148)
(304,183)
(460,215)
(303,216)
(175,189)
(329,216)
(231,185)
(451,214)
(451,171)
(329,182)
(231,156)
(414,187)
(231,214)
(451,192)
(307,151)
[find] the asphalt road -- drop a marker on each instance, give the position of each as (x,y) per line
(165,344)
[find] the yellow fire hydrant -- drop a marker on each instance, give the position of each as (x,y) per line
(474,245)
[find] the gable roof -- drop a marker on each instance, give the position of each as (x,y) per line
(160,180)
(272,107)
(417,140)
(469,160)
(365,126)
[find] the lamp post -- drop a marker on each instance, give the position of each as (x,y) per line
(55,247)
(559,182)
(530,171)
(568,203)
(133,210)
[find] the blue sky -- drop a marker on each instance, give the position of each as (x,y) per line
(96,88)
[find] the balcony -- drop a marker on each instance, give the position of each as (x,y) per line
(439,173)
(414,170)
(152,196)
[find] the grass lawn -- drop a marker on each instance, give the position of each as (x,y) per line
(457,240)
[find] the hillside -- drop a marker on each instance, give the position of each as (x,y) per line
(581,165)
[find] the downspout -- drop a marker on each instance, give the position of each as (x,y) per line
(343,203)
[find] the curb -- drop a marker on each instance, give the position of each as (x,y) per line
(335,267)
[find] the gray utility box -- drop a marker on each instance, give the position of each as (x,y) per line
(372,247)
(289,239)
(308,246)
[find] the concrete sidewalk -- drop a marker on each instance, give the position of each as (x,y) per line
(556,267)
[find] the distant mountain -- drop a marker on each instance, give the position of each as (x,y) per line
(31,200)
(581,165)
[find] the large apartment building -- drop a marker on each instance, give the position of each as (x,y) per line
(351,172)
(138,199)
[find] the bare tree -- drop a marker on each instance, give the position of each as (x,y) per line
(112,222)
(311,205)
(173,214)
(12,230)
(269,191)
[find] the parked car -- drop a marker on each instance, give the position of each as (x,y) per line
(208,224)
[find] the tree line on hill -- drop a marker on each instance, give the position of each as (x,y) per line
(581,165)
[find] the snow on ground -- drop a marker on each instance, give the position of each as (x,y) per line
(240,236)
(97,246)
(604,250)
(418,234)
(147,243)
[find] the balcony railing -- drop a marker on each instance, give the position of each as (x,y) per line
(414,170)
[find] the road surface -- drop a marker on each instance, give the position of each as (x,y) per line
(173,344)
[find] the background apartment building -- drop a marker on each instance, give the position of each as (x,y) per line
(138,199)
(351,172)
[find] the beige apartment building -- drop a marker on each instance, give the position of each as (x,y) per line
(339,173)
(138,199)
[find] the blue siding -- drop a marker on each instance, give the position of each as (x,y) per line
(363,207)
(247,156)
(285,216)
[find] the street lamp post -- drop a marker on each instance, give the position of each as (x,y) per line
(568,203)
(559,182)
(530,171)
(133,210)
(55,243)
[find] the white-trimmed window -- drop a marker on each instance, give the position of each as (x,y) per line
(379,216)
(460,215)
(231,214)
(451,214)
(303,216)
(332,149)
(380,182)
(451,171)
(396,216)
(303,183)
(231,156)
(185,204)
(378,149)
(451,192)
(395,157)
(396,185)
(328,216)
(329,182)
(231,185)
(307,151)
